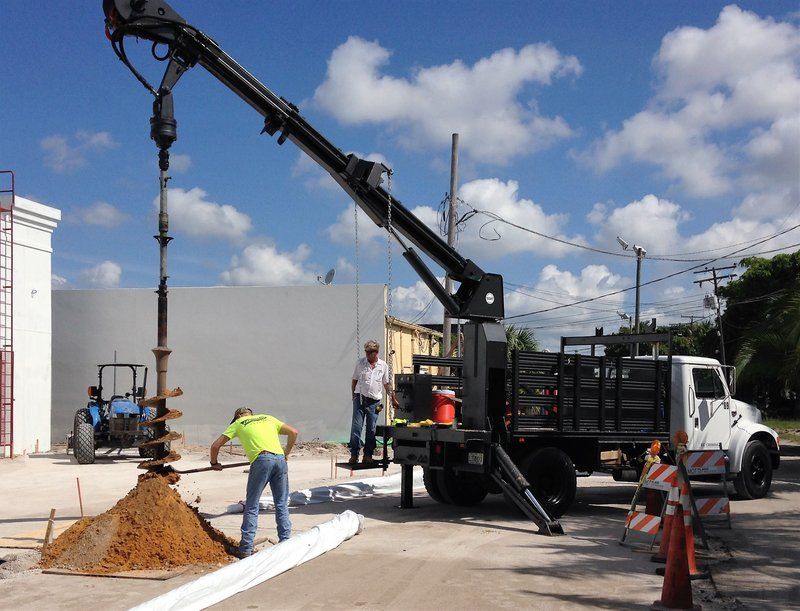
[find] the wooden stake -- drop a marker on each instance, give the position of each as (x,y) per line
(49,532)
(80,498)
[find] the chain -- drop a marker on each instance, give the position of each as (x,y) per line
(390,346)
(358,316)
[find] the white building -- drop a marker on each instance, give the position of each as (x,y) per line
(34,224)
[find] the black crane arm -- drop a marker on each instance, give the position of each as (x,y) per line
(480,294)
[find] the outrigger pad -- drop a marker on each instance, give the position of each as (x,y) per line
(171,436)
(170,415)
(176,392)
(149,464)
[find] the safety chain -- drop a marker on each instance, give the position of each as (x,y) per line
(389,343)
(358,316)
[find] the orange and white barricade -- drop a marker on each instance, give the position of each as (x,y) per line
(705,463)
(657,480)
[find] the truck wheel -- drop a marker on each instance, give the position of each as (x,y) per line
(83,442)
(462,489)
(431,485)
(551,474)
(755,477)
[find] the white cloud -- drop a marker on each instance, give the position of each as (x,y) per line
(102,214)
(58,282)
(650,222)
(555,287)
(479,101)
(265,265)
(179,163)
(64,154)
(191,213)
(740,73)
(371,238)
(345,271)
(416,303)
(477,240)
(503,199)
(106,275)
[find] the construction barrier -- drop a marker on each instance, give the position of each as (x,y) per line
(661,477)
(656,479)
(705,463)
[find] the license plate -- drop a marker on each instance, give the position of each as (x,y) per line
(475,458)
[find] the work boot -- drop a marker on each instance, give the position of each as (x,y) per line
(353,460)
(367,460)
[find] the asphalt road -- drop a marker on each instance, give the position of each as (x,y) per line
(432,557)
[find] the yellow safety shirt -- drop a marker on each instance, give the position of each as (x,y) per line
(257,434)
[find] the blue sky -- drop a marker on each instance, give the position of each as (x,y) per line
(676,125)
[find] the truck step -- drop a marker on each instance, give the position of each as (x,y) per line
(516,488)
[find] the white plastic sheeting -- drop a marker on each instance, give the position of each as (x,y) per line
(352,489)
(258,568)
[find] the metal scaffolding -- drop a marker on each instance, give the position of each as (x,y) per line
(6,313)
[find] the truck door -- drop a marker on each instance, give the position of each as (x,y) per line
(709,410)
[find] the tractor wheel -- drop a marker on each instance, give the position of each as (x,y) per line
(83,441)
(551,474)
(431,485)
(462,489)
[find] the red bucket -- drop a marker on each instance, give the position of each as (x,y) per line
(444,406)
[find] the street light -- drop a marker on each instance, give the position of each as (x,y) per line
(625,316)
(640,253)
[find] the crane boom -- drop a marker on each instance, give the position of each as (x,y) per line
(480,294)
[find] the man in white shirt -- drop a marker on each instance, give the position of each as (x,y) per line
(370,379)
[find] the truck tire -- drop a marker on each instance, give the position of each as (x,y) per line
(464,489)
(551,474)
(83,440)
(431,485)
(755,476)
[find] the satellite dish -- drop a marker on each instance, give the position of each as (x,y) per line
(328,277)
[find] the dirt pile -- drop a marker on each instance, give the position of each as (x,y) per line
(151,528)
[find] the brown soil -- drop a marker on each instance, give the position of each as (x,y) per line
(151,528)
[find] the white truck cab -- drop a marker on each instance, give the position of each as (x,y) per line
(702,406)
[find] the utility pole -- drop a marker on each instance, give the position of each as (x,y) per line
(715,279)
(451,240)
(640,254)
(691,318)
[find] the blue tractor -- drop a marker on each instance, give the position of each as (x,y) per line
(113,422)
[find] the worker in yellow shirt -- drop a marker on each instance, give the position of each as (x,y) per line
(258,434)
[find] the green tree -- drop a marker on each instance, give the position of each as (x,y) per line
(521,338)
(757,324)
(769,354)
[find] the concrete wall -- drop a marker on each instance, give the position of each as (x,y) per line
(288,351)
(33,228)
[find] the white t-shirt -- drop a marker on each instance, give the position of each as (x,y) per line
(371,380)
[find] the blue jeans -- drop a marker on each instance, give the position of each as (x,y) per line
(266,469)
(363,409)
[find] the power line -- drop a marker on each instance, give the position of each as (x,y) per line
(499,219)
(672,275)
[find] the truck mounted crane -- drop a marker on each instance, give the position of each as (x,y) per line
(475,449)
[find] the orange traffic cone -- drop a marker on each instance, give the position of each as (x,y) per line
(676,593)
(669,518)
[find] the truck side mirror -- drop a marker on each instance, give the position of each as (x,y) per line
(730,374)
(93,392)
(140,392)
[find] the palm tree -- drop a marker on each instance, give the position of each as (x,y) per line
(521,338)
(770,353)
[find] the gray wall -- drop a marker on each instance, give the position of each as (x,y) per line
(288,351)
